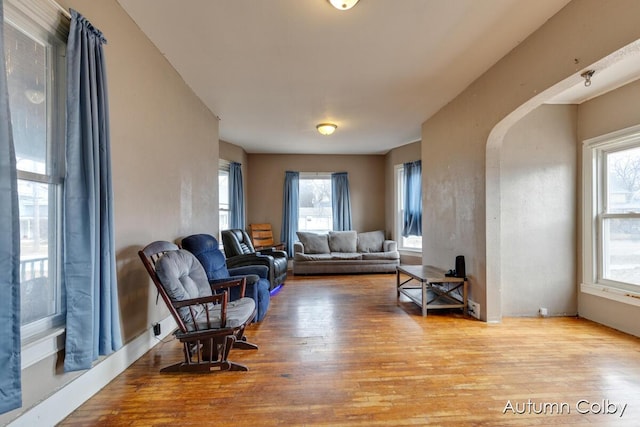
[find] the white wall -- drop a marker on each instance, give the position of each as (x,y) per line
(538,202)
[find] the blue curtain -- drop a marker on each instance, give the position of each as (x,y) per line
(10,379)
(93,319)
(341,201)
(412,221)
(236,196)
(290,210)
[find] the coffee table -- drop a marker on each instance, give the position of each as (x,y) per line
(433,289)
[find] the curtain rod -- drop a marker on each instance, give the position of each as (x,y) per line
(64,11)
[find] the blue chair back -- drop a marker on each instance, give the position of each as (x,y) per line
(205,247)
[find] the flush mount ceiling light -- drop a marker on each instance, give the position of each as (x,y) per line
(343,4)
(326,128)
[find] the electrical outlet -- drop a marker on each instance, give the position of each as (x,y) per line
(156,329)
(473,308)
(543,312)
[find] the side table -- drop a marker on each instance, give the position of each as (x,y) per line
(434,290)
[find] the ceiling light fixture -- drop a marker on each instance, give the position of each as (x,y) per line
(326,128)
(343,4)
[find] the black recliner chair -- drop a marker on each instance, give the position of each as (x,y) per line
(239,251)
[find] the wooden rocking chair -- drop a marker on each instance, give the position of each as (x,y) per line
(208,324)
(262,237)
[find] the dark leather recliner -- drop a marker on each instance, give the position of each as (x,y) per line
(206,249)
(240,251)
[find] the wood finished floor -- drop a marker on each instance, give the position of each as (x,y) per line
(340,350)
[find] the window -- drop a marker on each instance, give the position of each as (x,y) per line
(35,66)
(612,211)
(412,243)
(223,198)
(315,211)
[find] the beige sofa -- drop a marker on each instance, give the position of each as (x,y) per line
(345,252)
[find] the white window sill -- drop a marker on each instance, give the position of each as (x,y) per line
(42,346)
(411,251)
(616,294)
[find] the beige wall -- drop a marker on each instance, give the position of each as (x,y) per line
(164,143)
(614,111)
(460,171)
(366,184)
(538,203)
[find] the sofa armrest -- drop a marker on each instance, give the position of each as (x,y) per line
(389,246)
(298,247)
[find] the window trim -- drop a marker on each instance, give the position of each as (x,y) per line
(223,166)
(43,20)
(593,195)
(398,212)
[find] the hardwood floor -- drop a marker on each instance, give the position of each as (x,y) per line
(339,350)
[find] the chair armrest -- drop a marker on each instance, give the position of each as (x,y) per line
(249,259)
(261,271)
(228,283)
(215,299)
(221,299)
(274,253)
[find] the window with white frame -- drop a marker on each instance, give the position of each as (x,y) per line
(223,198)
(315,209)
(411,243)
(612,210)
(34,45)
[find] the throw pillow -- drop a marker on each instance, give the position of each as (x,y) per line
(371,241)
(313,243)
(343,241)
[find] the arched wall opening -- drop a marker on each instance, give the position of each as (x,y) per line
(532,215)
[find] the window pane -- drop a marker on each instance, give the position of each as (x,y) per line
(410,242)
(315,212)
(623,181)
(223,202)
(37,279)
(26,62)
(223,188)
(621,247)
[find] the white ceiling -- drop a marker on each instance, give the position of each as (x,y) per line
(273,69)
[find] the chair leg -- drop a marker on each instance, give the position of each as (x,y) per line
(242,343)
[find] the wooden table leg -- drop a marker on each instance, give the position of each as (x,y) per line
(464,296)
(424,298)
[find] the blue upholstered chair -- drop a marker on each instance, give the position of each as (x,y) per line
(206,250)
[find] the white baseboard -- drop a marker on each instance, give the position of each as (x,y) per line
(59,405)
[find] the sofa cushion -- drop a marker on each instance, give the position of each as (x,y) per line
(381,255)
(343,241)
(311,257)
(370,241)
(314,243)
(346,255)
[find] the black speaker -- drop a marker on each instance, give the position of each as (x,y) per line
(460,268)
